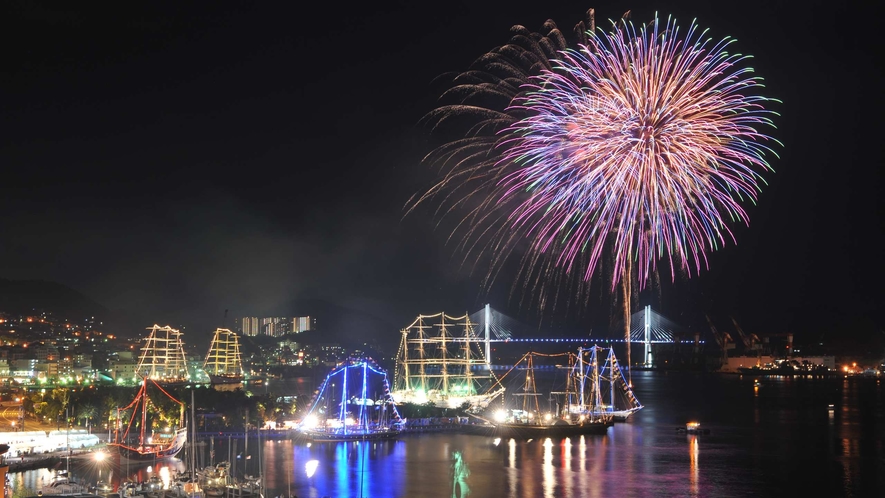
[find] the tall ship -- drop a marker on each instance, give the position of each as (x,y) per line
(353,404)
(441,361)
(145,437)
(524,417)
(224,363)
(603,390)
(162,357)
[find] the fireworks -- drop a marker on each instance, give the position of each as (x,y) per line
(642,143)
(641,137)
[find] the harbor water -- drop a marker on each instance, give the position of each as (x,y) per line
(782,436)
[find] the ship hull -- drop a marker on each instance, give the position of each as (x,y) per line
(152,452)
(335,437)
(475,402)
(523,431)
(615,415)
(225,379)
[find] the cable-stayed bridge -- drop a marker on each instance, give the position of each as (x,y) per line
(647,327)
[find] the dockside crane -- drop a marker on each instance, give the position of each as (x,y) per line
(722,339)
(751,341)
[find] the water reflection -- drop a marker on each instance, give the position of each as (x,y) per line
(512,471)
(549,472)
(693,451)
(751,435)
(460,473)
(568,476)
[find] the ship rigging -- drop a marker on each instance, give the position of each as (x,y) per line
(165,443)
(224,363)
(440,362)
(162,357)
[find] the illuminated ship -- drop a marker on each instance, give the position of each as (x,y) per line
(603,390)
(442,363)
(528,420)
(162,357)
(135,443)
(224,364)
(353,404)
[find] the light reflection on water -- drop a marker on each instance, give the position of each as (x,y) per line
(693,449)
(753,433)
(549,471)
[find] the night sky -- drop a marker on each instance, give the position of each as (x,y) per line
(172,161)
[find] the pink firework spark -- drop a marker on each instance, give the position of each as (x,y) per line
(641,138)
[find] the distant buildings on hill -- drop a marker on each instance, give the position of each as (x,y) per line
(276,326)
(40,349)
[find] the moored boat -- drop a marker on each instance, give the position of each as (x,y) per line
(447,368)
(608,394)
(353,404)
(224,364)
(159,444)
(529,421)
(692,428)
(162,357)
(557,429)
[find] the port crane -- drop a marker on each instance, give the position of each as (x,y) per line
(751,341)
(723,339)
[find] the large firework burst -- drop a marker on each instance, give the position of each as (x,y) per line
(642,140)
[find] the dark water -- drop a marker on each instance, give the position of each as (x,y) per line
(778,440)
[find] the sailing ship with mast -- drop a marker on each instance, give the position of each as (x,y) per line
(353,404)
(136,443)
(162,357)
(224,363)
(607,391)
(440,362)
(527,419)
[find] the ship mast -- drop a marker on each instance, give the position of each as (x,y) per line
(443,350)
(468,374)
(144,402)
(597,396)
(421,353)
(436,365)
(162,356)
(224,356)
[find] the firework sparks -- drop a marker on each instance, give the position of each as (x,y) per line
(642,142)
(641,137)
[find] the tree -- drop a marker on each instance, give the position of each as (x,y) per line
(86,412)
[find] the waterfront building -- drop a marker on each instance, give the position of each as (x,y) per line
(123,369)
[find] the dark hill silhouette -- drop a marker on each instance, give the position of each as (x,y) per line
(65,303)
(341,324)
(25,296)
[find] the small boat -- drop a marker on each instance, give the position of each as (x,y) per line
(347,408)
(692,428)
(214,480)
(165,443)
(61,484)
(102,488)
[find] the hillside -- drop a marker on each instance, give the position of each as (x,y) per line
(24,296)
(343,325)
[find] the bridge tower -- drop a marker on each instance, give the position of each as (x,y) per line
(488,337)
(648,358)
